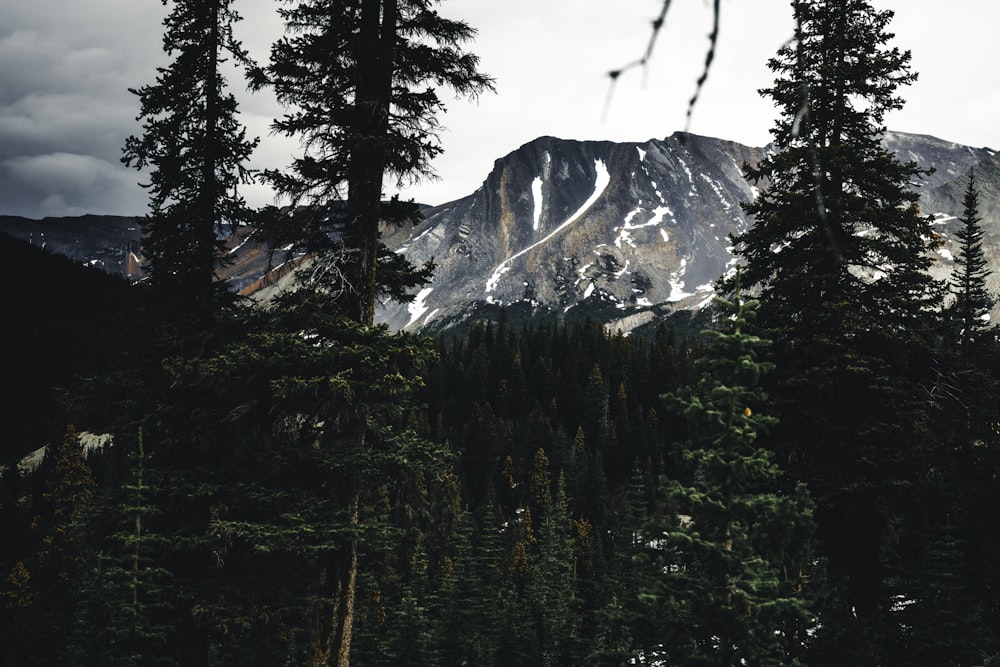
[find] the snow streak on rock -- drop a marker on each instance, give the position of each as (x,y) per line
(417,307)
(677,283)
(536,196)
(624,235)
(601,183)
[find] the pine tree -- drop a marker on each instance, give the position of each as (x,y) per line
(838,256)
(197,151)
(550,581)
(287,446)
(942,622)
(973,302)
(40,586)
(125,600)
(359,79)
(731,590)
(469,629)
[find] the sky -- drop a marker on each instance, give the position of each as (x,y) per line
(66,67)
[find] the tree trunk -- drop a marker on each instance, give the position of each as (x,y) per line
(333,626)
(206,208)
(373,96)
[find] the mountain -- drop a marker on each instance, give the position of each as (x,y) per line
(107,242)
(622,232)
(634,230)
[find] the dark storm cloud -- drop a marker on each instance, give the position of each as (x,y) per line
(61,184)
(65,109)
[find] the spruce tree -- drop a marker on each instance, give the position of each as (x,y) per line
(196,151)
(125,602)
(39,592)
(838,255)
(973,301)
(360,79)
(290,446)
(730,546)
(469,630)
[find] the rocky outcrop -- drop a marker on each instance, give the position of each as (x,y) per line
(107,242)
(563,223)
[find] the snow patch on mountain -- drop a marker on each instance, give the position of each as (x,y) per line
(727,207)
(677,283)
(624,232)
(536,196)
(601,181)
(418,306)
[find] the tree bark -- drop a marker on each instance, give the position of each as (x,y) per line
(373,96)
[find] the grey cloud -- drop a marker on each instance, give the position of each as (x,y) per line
(65,109)
(59,184)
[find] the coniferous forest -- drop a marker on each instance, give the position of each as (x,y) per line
(810,480)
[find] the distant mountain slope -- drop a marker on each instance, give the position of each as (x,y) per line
(106,242)
(640,226)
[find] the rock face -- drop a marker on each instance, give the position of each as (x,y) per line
(558,224)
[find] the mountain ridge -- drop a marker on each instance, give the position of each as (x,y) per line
(561,227)
(653,241)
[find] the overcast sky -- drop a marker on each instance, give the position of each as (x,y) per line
(65,68)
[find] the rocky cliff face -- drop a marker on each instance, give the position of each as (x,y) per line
(558,224)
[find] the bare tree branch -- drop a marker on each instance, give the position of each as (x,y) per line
(713,39)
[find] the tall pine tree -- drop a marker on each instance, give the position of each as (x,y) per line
(733,547)
(196,150)
(358,77)
(838,255)
(361,79)
(973,301)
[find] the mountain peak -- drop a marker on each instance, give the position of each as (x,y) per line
(563,224)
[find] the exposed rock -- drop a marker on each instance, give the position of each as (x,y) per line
(561,223)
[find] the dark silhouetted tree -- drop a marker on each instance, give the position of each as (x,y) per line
(838,254)
(361,81)
(973,300)
(196,151)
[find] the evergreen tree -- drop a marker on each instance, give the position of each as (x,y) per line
(550,580)
(838,255)
(124,610)
(973,301)
(288,447)
(468,631)
(359,77)
(733,573)
(196,150)
(942,622)
(39,589)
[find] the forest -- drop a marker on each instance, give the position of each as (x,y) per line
(803,476)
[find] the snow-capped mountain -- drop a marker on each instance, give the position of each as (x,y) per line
(641,226)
